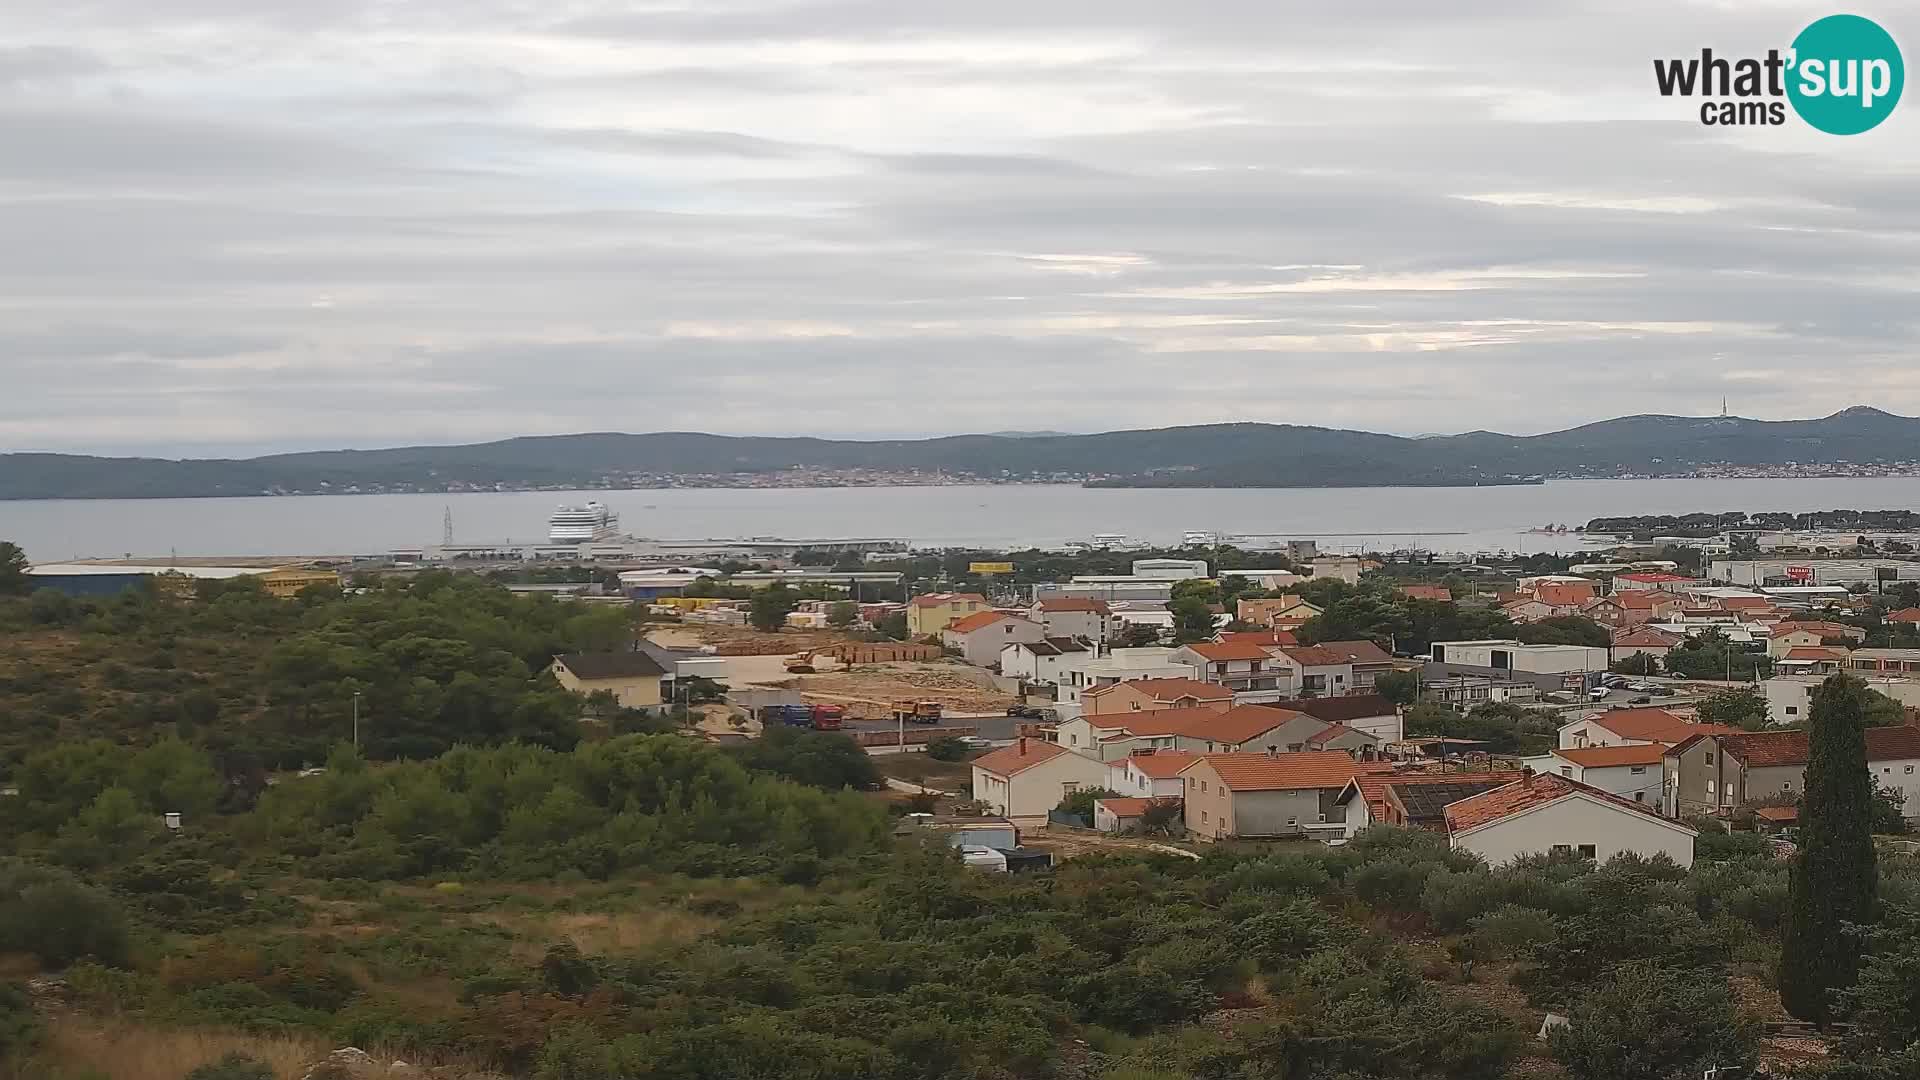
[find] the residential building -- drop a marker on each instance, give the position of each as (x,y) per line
(933,612)
(1798,633)
(1790,696)
(1528,610)
(1812,660)
(1631,727)
(1242,728)
(1266,795)
(1266,579)
(1714,773)
(1266,638)
(1509,654)
(1606,611)
(1438,593)
(1057,662)
(1150,774)
(979,637)
(1884,662)
(1147,695)
(1112,588)
(1644,640)
(1367,660)
(1247,669)
(1030,777)
(1565,597)
(633,678)
(1119,815)
(1634,771)
(1412,800)
(1134,665)
(1369,713)
(1267,610)
(1075,617)
(1315,670)
(1905,616)
(1339,567)
(1548,813)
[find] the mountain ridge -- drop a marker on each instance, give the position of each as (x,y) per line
(1237,454)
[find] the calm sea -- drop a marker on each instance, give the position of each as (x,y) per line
(1343,519)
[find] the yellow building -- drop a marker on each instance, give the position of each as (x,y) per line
(287,581)
(933,612)
(633,678)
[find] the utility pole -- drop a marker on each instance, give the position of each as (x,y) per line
(356,719)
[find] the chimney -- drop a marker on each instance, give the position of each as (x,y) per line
(1023,746)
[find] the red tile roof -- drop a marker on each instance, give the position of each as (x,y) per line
(1905,615)
(1329,733)
(1163,764)
(1220,652)
(1744,603)
(1315,656)
(1647,636)
(1359,652)
(1777,813)
(1653,578)
(1760,749)
(1073,603)
(1654,725)
(1280,772)
(1602,757)
(976,621)
(1232,727)
(1640,598)
(1814,652)
(1565,594)
(1427,592)
(1024,754)
(1536,790)
(1374,786)
(1167,690)
(1824,629)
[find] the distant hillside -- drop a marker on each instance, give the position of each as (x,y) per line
(1211,455)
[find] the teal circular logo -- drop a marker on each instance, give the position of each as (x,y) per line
(1847,75)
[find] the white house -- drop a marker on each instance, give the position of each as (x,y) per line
(1149,775)
(980,637)
(1170,569)
(1631,727)
(1030,777)
(1513,655)
(1315,670)
(1133,665)
(1059,662)
(1635,771)
(1075,617)
(1549,813)
(1247,669)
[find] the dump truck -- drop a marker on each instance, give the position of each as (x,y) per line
(918,712)
(817,717)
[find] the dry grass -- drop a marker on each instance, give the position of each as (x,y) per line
(123,1049)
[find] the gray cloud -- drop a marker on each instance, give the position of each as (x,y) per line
(266,224)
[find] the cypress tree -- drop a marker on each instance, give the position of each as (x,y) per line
(1833,880)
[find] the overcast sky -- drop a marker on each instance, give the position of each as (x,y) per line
(231,226)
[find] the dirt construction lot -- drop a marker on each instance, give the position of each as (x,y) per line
(954,685)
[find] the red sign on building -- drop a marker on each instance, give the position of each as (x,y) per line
(1799,573)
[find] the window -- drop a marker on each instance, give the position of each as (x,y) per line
(1786,785)
(1566,771)
(1586,851)
(1793,710)
(1908,770)
(1323,819)
(1203,817)
(1562,849)
(1709,787)
(1639,796)
(1709,758)
(1293,823)
(1203,786)
(1637,770)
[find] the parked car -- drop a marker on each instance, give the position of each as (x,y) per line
(1028,711)
(1641,700)
(975,742)
(1598,693)
(1641,687)
(1614,681)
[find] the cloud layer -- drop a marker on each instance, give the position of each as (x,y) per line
(243,225)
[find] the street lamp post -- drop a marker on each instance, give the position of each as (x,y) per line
(356,719)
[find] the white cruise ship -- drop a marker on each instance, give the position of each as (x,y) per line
(582,524)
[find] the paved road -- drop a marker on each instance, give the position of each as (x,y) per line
(997,727)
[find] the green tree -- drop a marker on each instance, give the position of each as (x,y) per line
(172,777)
(19,1024)
(113,828)
(948,748)
(894,625)
(1833,880)
(1565,630)
(1884,1004)
(1081,800)
(1742,707)
(1137,636)
(1399,687)
(769,608)
(1192,620)
(843,614)
(1653,1023)
(1635,663)
(13,569)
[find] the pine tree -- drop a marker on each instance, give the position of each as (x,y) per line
(1833,880)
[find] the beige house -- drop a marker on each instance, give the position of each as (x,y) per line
(633,678)
(1029,778)
(1146,695)
(1547,813)
(1715,773)
(931,613)
(1266,795)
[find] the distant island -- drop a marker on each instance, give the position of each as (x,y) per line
(1860,441)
